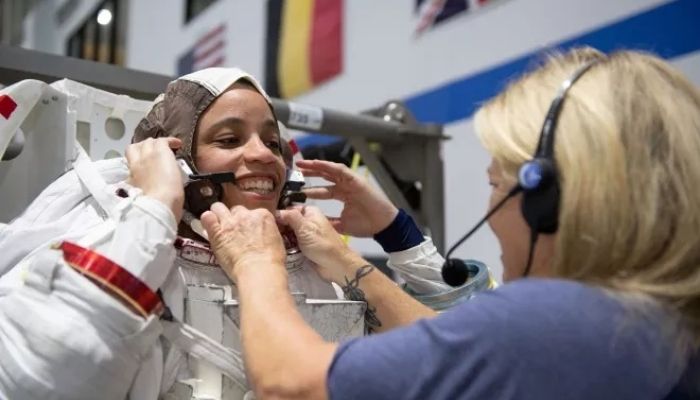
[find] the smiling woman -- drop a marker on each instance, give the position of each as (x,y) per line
(226,123)
(238,133)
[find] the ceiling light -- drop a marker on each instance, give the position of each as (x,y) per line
(104,17)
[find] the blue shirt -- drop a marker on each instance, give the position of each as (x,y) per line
(531,339)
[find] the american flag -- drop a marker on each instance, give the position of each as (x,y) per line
(208,51)
(432,12)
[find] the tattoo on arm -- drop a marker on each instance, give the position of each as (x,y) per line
(352,291)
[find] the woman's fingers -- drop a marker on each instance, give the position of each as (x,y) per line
(220,210)
(292,218)
(320,192)
(318,174)
(210,222)
(331,168)
(337,224)
(174,143)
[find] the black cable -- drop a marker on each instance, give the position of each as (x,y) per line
(488,215)
(533,241)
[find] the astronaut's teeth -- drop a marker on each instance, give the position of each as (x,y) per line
(257,185)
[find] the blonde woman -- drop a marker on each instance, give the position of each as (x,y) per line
(610,308)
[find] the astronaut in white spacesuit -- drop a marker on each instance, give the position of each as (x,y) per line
(98,264)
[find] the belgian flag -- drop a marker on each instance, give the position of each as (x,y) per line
(304,45)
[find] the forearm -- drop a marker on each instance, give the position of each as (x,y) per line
(142,241)
(284,357)
(388,306)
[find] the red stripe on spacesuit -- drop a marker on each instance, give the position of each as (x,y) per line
(7,106)
(112,275)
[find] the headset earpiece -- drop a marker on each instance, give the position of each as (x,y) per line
(536,173)
(540,203)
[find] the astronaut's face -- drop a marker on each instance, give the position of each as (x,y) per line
(238,133)
(512,231)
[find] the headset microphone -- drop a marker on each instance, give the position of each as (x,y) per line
(455,272)
(538,180)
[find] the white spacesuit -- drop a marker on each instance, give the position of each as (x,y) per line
(62,335)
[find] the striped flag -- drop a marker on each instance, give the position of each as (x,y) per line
(432,12)
(208,51)
(304,45)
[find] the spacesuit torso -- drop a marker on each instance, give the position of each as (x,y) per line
(200,294)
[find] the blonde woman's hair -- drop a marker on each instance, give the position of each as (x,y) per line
(627,149)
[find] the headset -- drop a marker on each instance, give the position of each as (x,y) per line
(538,180)
(203,190)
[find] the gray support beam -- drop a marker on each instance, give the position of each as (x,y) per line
(433,193)
(17,64)
(332,122)
(382,176)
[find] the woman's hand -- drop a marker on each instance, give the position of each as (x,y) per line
(319,242)
(366,211)
(242,238)
(153,169)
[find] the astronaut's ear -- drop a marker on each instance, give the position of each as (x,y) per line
(289,148)
(287,153)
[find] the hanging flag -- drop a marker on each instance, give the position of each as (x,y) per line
(208,51)
(433,12)
(304,45)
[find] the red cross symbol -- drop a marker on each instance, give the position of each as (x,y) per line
(7,106)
